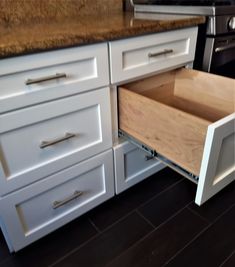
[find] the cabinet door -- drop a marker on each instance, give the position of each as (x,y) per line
(34,211)
(132,165)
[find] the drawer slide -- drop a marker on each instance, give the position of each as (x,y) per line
(158,156)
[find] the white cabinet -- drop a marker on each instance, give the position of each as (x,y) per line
(42,207)
(184,118)
(56,159)
(132,165)
(56,156)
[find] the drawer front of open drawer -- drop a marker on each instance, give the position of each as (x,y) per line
(40,140)
(140,56)
(132,165)
(186,119)
(31,79)
(42,207)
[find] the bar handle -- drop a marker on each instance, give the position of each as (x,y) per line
(67,136)
(164,52)
(46,78)
(59,203)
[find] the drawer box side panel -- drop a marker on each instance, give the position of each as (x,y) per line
(157,126)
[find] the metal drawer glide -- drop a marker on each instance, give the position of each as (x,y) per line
(161,158)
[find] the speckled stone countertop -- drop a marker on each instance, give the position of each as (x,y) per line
(48,34)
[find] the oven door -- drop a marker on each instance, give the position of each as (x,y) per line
(219,55)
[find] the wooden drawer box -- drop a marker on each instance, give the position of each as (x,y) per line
(186,119)
(132,165)
(31,79)
(37,210)
(40,140)
(135,57)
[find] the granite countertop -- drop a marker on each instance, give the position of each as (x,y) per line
(48,34)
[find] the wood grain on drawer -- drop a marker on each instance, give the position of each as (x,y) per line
(52,75)
(34,211)
(139,56)
(184,115)
(40,140)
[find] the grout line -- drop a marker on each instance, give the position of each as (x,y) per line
(162,192)
(218,217)
(222,214)
(94,225)
(188,244)
(205,229)
(199,215)
(146,236)
(133,245)
(142,216)
(117,221)
(142,204)
(90,239)
(172,216)
(227,259)
(72,251)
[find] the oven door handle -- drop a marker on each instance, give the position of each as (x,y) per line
(224,48)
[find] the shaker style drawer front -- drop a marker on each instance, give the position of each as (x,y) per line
(40,140)
(31,79)
(35,211)
(143,55)
(132,165)
(186,119)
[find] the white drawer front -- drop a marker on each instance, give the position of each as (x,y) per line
(85,68)
(32,212)
(132,165)
(23,160)
(139,56)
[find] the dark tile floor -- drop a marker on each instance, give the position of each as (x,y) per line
(154,223)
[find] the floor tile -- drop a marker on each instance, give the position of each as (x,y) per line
(50,248)
(212,247)
(217,205)
(114,209)
(109,244)
(163,243)
(230,262)
(169,202)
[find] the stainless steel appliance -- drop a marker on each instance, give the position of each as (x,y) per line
(215,50)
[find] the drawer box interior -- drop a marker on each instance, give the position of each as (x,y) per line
(171,113)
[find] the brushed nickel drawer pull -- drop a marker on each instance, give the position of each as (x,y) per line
(147,157)
(67,136)
(46,78)
(164,52)
(59,203)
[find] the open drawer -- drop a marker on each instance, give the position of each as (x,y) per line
(186,119)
